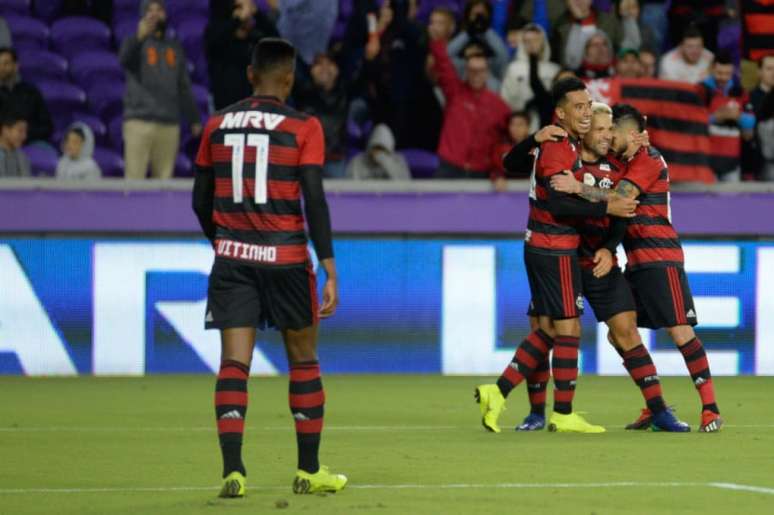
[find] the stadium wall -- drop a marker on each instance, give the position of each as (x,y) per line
(110,279)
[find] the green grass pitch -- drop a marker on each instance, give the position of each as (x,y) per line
(409,444)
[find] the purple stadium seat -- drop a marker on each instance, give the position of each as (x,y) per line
(62,98)
(93,67)
(124,27)
(110,162)
(43,160)
(179,8)
(202,96)
(37,65)
(15,7)
(27,32)
(183,166)
(189,32)
(107,99)
(72,34)
(421,162)
(426,7)
(116,133)
(48,9)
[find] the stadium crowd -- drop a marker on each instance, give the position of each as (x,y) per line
(404,88)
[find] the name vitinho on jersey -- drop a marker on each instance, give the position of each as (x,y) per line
(245,251)
(254,119)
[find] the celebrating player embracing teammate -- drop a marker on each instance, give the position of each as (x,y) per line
(257,157)
(654,255)
(550,255)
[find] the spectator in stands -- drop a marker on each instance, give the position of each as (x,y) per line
(580,21)
(628,65)
(630,9)
(395,78)
(327,95)
(707,15)
(765,132)
(531,71)
(442,23)
(653,16)
(5,34)
(379,161)
(474,118)
(158,92)
(689,62)
(597,57)
(24,97)
(513,33)
(308,24)
(77,149)
(477,31)
(13,132)
(518,130)
(234,27)
(752,151)
(765,81)
(730,117)
(648,62)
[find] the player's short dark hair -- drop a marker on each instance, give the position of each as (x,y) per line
(520,114)
(10,116)
(723,57)
(9,50)
(763,59)
(563,87)
(271,54)
(691,32)
(623,113)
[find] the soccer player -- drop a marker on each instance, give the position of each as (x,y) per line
(550,255)
(255,160)
(604,285)
(655,257)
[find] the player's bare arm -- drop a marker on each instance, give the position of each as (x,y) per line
(626,189)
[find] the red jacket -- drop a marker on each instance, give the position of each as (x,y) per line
(473,122)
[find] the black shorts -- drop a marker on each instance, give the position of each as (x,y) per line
(608,295)
(663,297)
(243,295)
(555,284)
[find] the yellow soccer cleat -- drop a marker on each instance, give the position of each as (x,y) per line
(233,485)
(572,423)
(321,481)
(492,405)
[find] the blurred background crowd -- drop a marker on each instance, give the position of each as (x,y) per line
(405,89)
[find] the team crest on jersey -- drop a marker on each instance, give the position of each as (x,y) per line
(588,179)
(606,183)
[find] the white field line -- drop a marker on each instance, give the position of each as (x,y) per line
(87,429)
(414,486)
(96,429)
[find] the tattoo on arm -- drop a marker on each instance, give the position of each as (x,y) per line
(593,194)
(627,190)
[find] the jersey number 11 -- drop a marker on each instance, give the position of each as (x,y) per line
(261,144)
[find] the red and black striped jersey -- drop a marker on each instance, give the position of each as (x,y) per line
(603,174)
(650,239)
(257,148)
(546,232)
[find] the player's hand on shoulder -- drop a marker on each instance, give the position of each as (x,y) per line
(550,133)
(603,263)
(565,182)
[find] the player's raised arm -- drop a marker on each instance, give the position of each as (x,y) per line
(316,210)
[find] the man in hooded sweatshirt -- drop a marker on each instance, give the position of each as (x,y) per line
(158,94)
(379,161)
(77,149)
